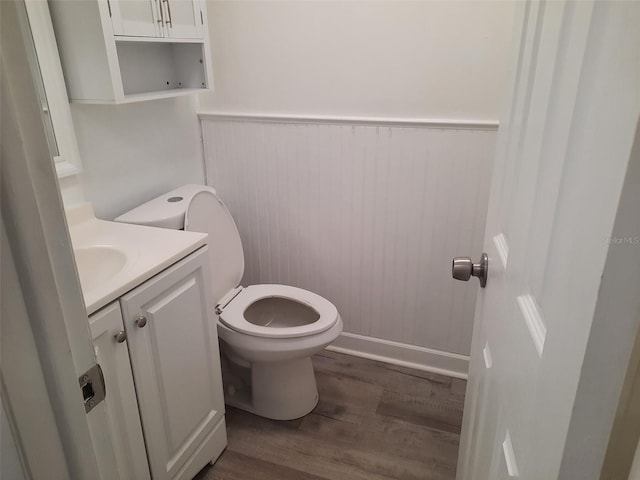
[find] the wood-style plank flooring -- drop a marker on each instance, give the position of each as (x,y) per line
(374,421)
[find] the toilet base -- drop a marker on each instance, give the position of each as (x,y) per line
(277,390)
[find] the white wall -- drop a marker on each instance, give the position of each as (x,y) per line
(134,152)
(368,216)
(433,59)
(393,201)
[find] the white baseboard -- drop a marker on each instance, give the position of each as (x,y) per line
(395,353)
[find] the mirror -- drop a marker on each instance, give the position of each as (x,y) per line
(45,64)
(46,116)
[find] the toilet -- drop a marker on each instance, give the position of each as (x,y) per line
(267,333)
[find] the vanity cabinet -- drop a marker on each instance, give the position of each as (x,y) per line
(121,51)
(175,395)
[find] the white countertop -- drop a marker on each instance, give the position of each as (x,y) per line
(138,253)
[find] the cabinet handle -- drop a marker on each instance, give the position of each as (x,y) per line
(170,21)
(141,321)
(161,10)
(121,336)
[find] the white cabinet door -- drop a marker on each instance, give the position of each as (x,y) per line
(120,405)
(176,366)
(183,18)
(136,18)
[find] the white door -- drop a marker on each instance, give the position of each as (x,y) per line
(136,18)
(51,346)
(183,18)
(176,366)
(120,407)
(563,150)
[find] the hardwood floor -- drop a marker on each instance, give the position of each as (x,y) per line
(374,421)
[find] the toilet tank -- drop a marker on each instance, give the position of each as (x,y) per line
(166,211)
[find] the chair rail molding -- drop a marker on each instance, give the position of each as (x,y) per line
(453,123)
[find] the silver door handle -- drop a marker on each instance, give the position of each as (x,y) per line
(170,21)
(463,269)
(160,9)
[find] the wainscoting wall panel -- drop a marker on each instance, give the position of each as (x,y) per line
(367,214)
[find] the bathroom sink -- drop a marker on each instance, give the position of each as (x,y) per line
(98,263)
(113,258)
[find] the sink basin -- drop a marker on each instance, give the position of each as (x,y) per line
(97,264)
(114,258)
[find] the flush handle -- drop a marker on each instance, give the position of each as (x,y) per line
(463,269)
(141,321)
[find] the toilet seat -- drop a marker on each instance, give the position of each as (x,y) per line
(232,315)
(206,213)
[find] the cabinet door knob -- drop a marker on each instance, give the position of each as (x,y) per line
(141,321)
(121,336)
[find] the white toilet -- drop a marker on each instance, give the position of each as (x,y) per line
(267,332)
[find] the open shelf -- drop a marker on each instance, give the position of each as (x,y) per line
(152,68)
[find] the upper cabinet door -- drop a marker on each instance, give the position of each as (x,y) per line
(136,18)
(183,18)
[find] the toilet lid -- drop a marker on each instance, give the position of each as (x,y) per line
(278,311)
(207,214)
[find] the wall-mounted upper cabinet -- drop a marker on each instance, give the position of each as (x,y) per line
(157,18)
(121,51)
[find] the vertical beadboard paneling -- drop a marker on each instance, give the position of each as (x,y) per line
(368,216)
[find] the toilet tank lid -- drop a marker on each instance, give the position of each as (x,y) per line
(166,211)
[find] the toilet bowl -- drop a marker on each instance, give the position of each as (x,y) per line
(267,367)
(267,332)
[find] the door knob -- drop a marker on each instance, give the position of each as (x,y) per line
(141,321)
(463,268)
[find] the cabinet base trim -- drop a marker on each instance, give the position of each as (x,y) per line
(208,452)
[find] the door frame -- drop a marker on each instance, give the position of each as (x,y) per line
(609,364)
(625,432)
(38,245)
